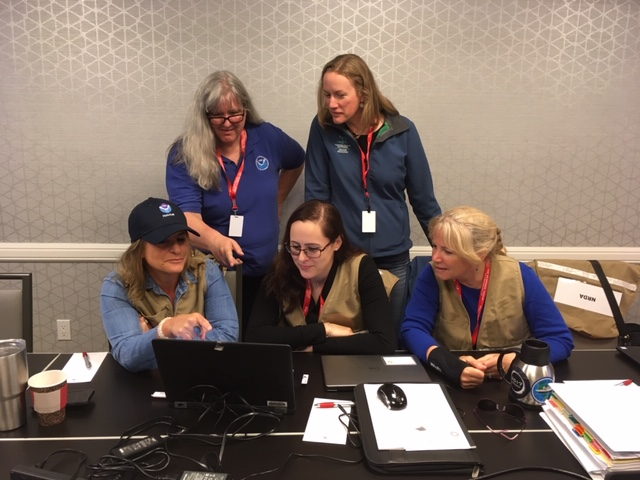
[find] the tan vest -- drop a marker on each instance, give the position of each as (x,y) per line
(503,322)
(155,307)
(342,305)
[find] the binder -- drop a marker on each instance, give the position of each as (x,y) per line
(464,461)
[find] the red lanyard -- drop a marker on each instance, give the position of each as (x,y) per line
(307,301)
(233,189)
(483,297)
(366,165)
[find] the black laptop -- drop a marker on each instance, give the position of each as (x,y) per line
(343,372)
(199,372)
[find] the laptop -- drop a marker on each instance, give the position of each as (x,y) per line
(344,372)
(196,373)
(632,353)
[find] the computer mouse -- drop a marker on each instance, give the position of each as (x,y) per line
(392,396)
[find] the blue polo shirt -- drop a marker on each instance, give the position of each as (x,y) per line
(269,150)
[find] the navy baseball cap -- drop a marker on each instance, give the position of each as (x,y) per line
(155,220)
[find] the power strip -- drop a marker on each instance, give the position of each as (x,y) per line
(187,475)
(26,472)
(139,447)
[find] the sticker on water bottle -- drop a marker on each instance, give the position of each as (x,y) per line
(541,389)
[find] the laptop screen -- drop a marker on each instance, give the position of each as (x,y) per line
(196,372)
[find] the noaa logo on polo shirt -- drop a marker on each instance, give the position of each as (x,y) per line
(262,163)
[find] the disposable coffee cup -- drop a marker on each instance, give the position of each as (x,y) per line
(14,373)
(49,395)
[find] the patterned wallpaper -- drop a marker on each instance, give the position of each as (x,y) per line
(529,109)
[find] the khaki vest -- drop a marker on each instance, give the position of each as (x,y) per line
(156,307)
(342,305)
(503,322)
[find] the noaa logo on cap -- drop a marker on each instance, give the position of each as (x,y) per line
(262,163)
(165,208)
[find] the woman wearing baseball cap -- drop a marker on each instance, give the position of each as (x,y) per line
(163,289)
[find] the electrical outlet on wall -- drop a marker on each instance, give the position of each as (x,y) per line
(64,329)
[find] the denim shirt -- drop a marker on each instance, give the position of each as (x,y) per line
(131,347)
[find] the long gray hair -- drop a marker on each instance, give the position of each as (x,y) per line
(198,143)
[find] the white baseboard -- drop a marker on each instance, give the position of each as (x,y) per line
(110,252)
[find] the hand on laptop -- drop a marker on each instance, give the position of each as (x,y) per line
(188,326)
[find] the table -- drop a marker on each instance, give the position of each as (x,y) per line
(123,400)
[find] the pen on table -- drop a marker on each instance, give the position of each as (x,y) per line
(332,404)
(87,362)
(624,383)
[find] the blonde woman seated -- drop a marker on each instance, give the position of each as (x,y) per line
(322,294)
(162,289)
(472,296)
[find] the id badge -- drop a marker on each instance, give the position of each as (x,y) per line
(235,225)
(368,222)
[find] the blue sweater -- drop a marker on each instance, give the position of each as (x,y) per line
(333,172)
(544,319)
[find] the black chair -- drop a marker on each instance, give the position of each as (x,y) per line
(415,268)
(234,281)
(16,305)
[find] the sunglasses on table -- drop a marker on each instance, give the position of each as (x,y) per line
(487,407)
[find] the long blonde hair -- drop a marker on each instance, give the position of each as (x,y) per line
(131,269)
(197,145)
(469,233)
(356,70)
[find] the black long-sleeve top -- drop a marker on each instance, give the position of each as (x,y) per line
(378,336)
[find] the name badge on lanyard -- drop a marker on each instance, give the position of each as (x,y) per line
(236,222)
(368,215)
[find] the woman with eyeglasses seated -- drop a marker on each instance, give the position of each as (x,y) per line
(472,296)
(323,294)
(163,289)
(230,172)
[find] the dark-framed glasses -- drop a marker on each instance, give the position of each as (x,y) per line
(311,252)
(233,118)
(509,413)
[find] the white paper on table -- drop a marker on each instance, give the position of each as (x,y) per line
(427,422)
(324,424)
(606,411)
(576,445)
(76,369)
(399,360)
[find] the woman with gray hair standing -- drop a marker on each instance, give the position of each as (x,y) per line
(472,296)
(230,172)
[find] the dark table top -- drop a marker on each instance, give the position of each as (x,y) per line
(123,401)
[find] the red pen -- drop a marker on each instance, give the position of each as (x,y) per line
(625,383)
(87,362)
(332,404)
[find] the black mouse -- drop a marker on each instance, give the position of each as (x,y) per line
(392,396)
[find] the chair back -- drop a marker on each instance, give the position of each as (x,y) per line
(16,307)
(234,281)
(415,268)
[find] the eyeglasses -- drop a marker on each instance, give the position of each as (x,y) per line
(511,410)
(220,119)
(311,252)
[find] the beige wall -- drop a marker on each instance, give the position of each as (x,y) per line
(527,109)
